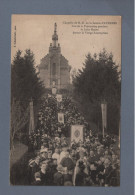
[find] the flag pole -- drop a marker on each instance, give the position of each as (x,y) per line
(104,116)
(31,124)
(103,132)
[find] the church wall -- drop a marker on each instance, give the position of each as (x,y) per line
(65,78)
(44,76)
(44,62)
(54,66)
(64,72)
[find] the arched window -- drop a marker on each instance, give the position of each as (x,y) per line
(53,69)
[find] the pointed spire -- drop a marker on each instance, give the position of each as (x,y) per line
(55,28)
(55,36)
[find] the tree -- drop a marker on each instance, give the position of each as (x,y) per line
(18,120)
(25,85)
(73,73)
(99,80)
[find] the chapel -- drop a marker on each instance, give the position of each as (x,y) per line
(54,69)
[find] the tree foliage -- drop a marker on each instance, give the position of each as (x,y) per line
(19,118)
(99,80)
(25,85)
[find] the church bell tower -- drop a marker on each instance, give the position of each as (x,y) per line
(54,69)
(54,59)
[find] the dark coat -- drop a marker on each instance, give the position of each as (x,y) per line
(58,179)
(67,162)
(93,175)
(44,178)
(107,172)
(80,179)
(67,177)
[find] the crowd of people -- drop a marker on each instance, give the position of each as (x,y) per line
(58,161)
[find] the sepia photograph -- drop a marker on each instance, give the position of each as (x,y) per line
(65,107)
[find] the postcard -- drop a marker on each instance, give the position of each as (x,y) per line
(65,100)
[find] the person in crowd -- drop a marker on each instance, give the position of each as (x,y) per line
(44,154)
(63,152)
(52,169)
(58,176)
(100,172)
(107,170)
(93,174)
(92,157)
(67,161)
(37,180)
(80,178)
(112,179)
(67,176)
(35,167)
(56,155)
(73,155)
(44,174)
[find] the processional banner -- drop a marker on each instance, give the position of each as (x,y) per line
(54,90)
(59,97)
(61,118)
(77,133)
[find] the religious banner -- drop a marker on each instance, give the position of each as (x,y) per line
(61,117)
(77,133)
(59,97)
(54,90)
(104,116)
(31,124)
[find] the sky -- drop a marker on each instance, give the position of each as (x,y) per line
(75,35)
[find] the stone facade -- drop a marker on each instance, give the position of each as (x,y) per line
(54,68)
